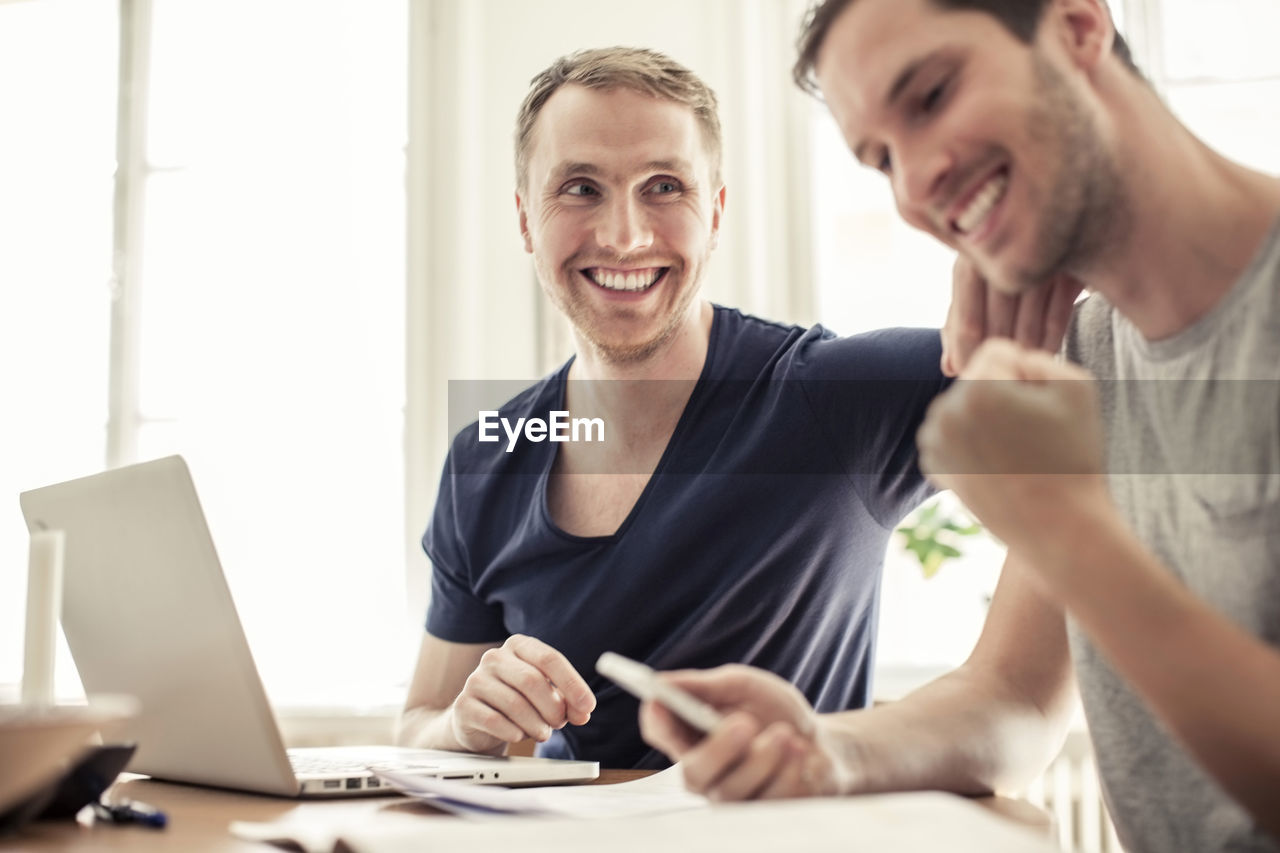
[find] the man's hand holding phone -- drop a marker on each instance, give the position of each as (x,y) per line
(767,743)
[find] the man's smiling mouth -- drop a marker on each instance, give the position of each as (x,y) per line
(625,280)
(981,203)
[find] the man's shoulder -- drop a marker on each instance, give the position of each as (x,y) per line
(736,328)
(820,352)
(881,354)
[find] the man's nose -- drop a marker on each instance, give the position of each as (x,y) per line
(921,174)
(624,226)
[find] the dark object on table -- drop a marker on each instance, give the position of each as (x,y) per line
(86,780)
(131,811)
(82,784)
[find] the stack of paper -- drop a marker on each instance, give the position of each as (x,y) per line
(656,815)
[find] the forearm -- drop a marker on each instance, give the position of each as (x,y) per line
(431,728)
(1212,684)
(964,732)
(424,728)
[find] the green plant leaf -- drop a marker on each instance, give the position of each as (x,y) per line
(933,538)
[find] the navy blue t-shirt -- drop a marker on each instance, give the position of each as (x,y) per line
(758,539)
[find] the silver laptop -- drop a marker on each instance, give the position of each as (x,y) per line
(146,612)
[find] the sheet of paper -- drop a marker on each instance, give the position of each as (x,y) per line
(291,835)
(904,823)
(653,813)
(661,792)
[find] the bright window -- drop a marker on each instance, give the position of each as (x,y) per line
(271,336)
(267,270)
(57,97)
(1221,75)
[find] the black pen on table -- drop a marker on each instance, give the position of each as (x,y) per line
(131,811)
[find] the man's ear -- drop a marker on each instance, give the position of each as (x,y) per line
(1084,30)
(524,223)
(717,211)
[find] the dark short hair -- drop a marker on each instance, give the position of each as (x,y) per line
(639,69)
(1019,17)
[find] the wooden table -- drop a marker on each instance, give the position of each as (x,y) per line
(199,818)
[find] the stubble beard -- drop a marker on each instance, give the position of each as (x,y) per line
(573,302)
(1086,211)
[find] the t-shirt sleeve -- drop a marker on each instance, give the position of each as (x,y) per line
(870,392)
(456,612)
(1089,341)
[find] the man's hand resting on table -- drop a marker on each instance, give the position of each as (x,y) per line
(521,689)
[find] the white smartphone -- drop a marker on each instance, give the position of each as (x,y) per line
(642,681)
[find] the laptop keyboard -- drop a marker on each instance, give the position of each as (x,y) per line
(342,774)
(330,766)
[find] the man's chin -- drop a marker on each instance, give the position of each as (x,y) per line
(1031,279)
(1014,280)
(631,349)
(628,353)
(999,277)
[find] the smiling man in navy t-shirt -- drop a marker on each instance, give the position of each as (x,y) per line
(750,474)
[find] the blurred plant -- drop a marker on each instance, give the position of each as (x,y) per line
(934,533)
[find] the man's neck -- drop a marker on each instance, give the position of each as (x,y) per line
(680,357)
(1194,222)
(643,397)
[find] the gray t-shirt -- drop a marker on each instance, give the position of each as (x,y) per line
(1193,444)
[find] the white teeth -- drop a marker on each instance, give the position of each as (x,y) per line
(983,200)
(625,281)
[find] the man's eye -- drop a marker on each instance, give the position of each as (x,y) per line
(664,187)
(933,97)
(580,189)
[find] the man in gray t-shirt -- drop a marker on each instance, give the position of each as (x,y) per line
(1192,447)
(1142,511)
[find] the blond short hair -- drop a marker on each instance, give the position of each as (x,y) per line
(639,69)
